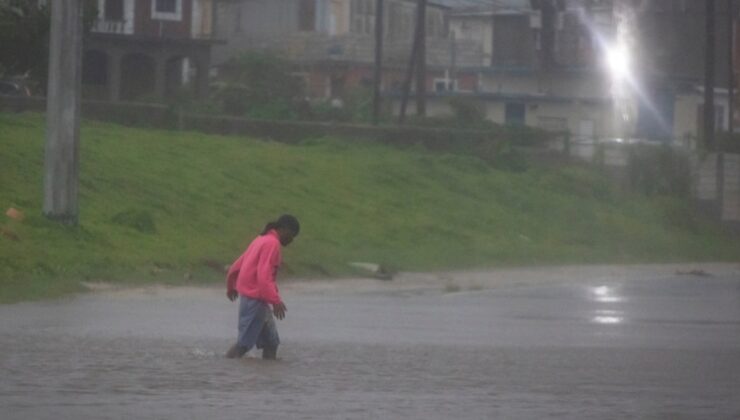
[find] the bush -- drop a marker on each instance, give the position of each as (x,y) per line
(503,156)
(467,111)
(260,85)
(658,170)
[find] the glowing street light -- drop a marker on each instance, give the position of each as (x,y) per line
(618,62)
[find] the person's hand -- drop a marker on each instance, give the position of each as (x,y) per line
(232,295)
(279,310)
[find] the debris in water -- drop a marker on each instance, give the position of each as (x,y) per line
(377,270)
(15,214)
(699,273)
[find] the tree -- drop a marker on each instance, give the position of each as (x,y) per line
(260,85)
(24,38)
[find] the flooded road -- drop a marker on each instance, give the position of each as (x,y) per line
(594,342)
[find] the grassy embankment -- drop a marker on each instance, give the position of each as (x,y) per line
(156,205)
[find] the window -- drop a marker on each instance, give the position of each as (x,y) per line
(515,114)
(363,16)
(167,9)
(166,6)
(511,41)
(114,10)
(445,85)
(307,15)
(436,25)
(400,26)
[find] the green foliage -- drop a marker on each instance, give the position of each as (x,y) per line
(160,206)
(465,119)
(355,107)
(504,156)
(658,170)
(325,111)
(24,38)
(260,85)
(359,104)
(467,111)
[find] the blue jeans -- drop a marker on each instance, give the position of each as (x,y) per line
(256,325)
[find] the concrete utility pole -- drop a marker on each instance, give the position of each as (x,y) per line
(377,76)
(61,161)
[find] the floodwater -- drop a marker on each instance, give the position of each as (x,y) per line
(591,342)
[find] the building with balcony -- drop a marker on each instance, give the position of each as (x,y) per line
(540,63)
(332,42)
(148,49)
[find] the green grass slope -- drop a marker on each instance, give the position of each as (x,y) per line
(164,206)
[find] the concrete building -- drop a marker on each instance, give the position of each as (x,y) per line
(148,49)
(546,63)
(332,42)
(540,64)
(670,57)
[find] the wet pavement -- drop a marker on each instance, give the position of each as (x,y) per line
(572,343)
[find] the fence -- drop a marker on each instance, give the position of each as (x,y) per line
(706,185)
(162,116)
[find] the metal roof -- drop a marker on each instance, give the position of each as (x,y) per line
(484,5)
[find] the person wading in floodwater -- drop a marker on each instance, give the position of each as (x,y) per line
(252,278)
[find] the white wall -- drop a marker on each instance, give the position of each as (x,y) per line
(476,29)
(568,85)
(577,118)
(686,114)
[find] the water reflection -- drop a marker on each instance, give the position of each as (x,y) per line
(608,317)
(605,294)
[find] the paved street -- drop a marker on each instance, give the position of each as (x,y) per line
(578,342)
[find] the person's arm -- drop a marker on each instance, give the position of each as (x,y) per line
(267,267)
(231,277)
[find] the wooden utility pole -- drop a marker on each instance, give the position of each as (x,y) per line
(406,88)
(730,106)
(731,67)
(709,136)
(61,160)
(421,59)
(378,73)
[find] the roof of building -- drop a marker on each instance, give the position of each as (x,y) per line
(510,97)
(485,6)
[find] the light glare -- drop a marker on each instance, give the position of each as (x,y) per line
(618,61)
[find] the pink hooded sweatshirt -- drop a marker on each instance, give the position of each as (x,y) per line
(254,273)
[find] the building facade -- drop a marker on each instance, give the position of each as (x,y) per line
(148,49)
(541,64)
(332,42)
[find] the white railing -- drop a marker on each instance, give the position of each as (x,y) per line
(110,26)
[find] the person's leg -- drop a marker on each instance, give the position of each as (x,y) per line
(235,351)
(251,319)
(269,339)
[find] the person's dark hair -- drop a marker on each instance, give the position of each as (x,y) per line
(285,221)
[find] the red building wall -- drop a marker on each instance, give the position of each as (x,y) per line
(145,25)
